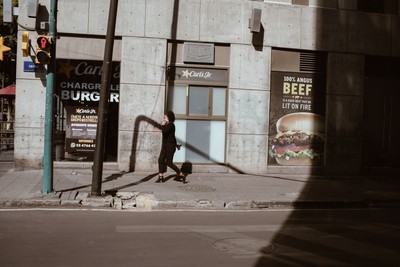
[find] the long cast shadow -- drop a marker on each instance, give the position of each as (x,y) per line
(373,240)
(111,178)
(108,179)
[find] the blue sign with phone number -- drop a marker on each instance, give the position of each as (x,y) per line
(29,66)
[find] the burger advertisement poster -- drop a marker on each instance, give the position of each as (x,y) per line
(297,119)
(78,85)
(81,129)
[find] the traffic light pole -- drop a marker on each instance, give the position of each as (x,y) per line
(47,186)
(103,104)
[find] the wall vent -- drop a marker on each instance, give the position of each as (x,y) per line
(313,62)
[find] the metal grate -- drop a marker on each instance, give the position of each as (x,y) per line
(197,188)
(313,62)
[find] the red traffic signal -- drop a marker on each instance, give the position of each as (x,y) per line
(43,49)
(44,42)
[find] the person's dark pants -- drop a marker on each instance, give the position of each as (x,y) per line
(166,157)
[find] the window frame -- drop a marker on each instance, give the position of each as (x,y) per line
(210,89)
(210,85)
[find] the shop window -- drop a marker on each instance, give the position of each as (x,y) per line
(198,101)
(200,123)
(197,94)
(78,85)
(219,102)
(177,100)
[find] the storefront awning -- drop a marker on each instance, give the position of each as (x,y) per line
(8,90)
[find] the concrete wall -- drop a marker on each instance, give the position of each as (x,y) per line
(85,48)
(29,124)
(289,26)
(29,114)
(247,126)
(344,105)
(142,97)
(143,28)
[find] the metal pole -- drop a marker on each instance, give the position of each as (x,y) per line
(47,186)
(103,104)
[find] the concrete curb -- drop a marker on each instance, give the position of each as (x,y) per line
(146,201)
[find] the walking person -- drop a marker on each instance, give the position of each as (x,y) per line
(168,148)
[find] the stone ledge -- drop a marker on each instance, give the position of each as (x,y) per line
(100,201)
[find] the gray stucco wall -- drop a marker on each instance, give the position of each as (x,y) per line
(144,26)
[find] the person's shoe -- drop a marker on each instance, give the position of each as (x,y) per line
(183,178)
(160,179)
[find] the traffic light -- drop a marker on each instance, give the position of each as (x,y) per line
(43,48)
(3,48)
(25,44)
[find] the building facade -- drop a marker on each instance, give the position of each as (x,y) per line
(232,71)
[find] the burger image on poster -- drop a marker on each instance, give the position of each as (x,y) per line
(299,139)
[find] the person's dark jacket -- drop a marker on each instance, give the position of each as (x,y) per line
(168,133)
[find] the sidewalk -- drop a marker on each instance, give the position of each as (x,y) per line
(138,191)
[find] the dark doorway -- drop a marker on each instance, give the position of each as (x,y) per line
(381,115)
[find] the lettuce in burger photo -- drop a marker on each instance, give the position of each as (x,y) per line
(300,139)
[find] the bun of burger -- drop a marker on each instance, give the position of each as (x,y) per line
(300,139)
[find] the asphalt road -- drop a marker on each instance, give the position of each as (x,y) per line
(200,238)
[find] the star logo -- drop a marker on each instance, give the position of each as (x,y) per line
(185,74)
(66,67)
(3,48)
